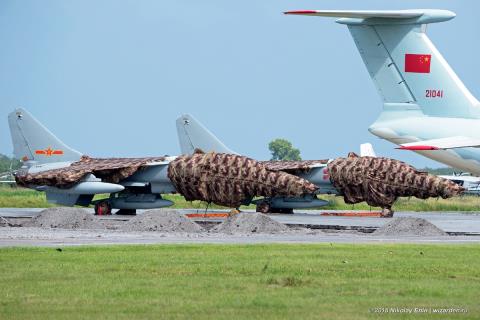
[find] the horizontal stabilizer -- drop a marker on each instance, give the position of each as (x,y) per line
(361,14)
(441,144)
(422,15)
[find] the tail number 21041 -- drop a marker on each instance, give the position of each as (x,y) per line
(433,93)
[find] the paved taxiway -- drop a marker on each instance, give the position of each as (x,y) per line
(464,227)
(453,222)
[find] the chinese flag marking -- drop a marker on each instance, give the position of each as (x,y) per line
(419,63)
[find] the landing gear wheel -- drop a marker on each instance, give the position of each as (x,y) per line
(264,207)
(103,208)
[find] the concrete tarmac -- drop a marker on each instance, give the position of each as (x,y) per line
(462,227)
(453,222)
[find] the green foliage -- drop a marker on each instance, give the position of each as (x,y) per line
(283,149)
(281,281)
(6,162)
(440,171)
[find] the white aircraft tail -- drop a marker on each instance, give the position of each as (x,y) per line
(366,150)
(34,142)
(193,135)
(407,69)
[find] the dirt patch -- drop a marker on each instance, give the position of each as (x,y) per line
(246,223)
(409,226)
(65,218)
(163,220)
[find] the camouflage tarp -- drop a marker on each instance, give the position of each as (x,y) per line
(230,180)
(380,181)
(292,166)
(109,170)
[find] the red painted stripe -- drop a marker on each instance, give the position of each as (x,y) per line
(353,214)
(417,148)
(301,12)
(57,152)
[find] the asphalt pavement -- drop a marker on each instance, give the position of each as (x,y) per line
(462,227)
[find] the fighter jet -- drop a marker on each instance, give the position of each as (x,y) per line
(426,107)
(360,175)
(43,152)
(193,135)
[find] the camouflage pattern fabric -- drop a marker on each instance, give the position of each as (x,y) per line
(230,180)
(380,181)
(293,166)
(109,170)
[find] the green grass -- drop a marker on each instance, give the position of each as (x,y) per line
(22,198)
(464,203)
(27,198)
(238,281)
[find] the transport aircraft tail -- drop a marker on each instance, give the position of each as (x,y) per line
(193,135)
(34,142)
(409,72)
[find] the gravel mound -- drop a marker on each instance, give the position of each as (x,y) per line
(164,220)
(65,218)
(409,226)
(246,223)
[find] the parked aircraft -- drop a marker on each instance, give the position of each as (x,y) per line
(192,135)
(42,151)
(470,183)
(70,178)
(426,107)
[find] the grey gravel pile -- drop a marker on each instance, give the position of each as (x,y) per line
(65,218)
(247,223)
(163,220)
(409,226)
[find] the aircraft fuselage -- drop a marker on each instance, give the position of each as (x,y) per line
(418,128)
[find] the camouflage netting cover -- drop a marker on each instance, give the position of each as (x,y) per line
(380,181)
(109,170)
(230,180)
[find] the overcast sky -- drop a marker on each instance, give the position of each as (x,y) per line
(110,77)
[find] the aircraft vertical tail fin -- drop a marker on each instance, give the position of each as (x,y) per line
(193,135)
(366,150)
(34,142)
(407,69)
